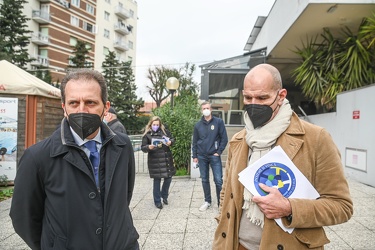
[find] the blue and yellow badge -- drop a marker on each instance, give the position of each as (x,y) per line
(275,175)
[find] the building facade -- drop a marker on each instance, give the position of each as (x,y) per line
(273,40)
(57,25)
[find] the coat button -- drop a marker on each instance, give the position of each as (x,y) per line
(224,235)
(280,247)
(92,195)
(228,215)
(231,195)
(98,231)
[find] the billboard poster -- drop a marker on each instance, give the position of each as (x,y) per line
(8,137)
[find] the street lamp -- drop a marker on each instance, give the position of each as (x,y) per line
(172,85)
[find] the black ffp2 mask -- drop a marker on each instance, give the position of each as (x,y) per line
(84,124)
(259,114)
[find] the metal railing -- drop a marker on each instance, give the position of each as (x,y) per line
(140,157)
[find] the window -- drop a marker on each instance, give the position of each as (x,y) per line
(89,27)
(90,9)
(43,34)
(131,12)
(105,51)
(88,64)
(88,46)
(106,33)
(70,61)
(44,8)
(130,44)
(43,58)
(44,30)
(73,41)
(43,53)
(75,3)
(106,15)
(130,58)
(74,21)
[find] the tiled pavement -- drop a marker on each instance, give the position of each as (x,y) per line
(180,225)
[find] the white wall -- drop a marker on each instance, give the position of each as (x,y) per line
(355,138)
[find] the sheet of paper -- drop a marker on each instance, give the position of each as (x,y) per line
(275,169)
(166,139)
(195,165)
(156,141)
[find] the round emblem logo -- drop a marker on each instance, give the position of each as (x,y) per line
(275,175)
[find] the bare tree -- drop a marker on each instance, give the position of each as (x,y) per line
(158,77)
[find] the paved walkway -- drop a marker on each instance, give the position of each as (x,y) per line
(181,226)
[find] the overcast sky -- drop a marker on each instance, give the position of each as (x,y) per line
(173,32)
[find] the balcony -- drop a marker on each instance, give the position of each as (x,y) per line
(40,61)
(64,3)
(40,39)
(41,16)
(120,46)
(121,28)
(122,12)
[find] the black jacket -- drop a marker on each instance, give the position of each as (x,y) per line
(160,160)
(209,137)
(117,126)
(56,204)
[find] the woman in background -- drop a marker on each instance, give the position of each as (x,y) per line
(156,142)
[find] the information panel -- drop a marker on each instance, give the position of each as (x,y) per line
(8,137)
(356,158)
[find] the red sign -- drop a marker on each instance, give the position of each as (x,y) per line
(356,114)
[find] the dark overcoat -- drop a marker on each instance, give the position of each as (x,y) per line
(160,159)
(117,126)
(56,204)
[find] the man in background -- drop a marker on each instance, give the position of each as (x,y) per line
(209,141)
(111,119)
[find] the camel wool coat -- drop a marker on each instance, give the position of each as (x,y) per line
(313,151)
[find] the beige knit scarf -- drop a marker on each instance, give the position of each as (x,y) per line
(260,141)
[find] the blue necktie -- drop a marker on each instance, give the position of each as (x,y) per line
(94,158)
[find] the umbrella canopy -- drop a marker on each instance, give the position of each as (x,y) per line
(15,80)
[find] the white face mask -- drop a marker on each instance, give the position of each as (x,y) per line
(206,112)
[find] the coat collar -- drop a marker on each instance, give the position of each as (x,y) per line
(62,138)
(288,140)
(63,142)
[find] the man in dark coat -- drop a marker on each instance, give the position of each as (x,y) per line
(113,122)
(67,196)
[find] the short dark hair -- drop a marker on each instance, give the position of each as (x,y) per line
(85,74)
(206,102)
(112,110)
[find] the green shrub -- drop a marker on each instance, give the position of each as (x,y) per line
(180,121)
(6,193)
(182,172)
(3,180)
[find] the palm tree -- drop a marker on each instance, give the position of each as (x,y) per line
(336,64)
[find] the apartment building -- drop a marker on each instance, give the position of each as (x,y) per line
(116,30)
(57,25)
